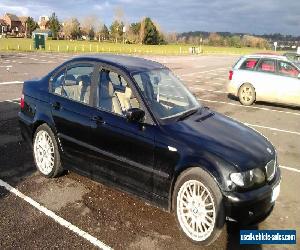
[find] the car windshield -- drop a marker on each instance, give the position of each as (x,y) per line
(166,95)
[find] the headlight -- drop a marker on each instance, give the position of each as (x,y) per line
(248,178)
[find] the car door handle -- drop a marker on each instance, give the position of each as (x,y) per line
(56,105)
(98,119)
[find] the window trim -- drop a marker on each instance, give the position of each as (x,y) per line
(150,120)
(65,68)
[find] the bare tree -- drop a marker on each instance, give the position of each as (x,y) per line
(71,28)
(89,26)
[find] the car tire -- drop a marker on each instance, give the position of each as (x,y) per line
(247,94)
(46,152)
(204,210)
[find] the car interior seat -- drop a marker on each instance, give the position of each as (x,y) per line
(107,97)
(69,86)
(84,83)
(127,99)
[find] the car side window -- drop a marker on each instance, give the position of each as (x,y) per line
(249,64)
(287,69)
(57,82)
(267,65)
(114,93)
(74,83)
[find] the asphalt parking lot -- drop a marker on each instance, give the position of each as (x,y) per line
(107,217)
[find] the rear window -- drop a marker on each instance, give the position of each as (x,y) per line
(249,64)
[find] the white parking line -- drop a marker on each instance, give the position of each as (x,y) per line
(290,169)
(209,90)
(93,240)
(13,82)
(13,100)
(251,107)
(273,129)
(213,83)
(202,72)
(7,66)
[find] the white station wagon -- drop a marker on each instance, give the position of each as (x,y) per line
(269,78)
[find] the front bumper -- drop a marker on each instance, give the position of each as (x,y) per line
(253,206)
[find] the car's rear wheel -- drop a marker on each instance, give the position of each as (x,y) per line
(198,206)
(247,94)
(45,152)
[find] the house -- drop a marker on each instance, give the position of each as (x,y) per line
(15,25)
(3,27)
(43,22)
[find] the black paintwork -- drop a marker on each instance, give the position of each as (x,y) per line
(136,157)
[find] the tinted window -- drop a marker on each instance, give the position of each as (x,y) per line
(114,94)
(286,68)
(249,64)
(74,83)
(267,65)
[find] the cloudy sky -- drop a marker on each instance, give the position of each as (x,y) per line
(255,16)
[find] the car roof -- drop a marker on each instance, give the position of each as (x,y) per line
(266,55)
(130,63)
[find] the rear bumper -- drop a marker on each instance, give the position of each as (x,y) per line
(26,128)
(231,88)
(253,206)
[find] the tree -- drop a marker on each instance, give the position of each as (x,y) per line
(116,30)
(133,32)
(215,39)
(103,33)
(54,25)
(71,28)
(89,26)
(31,25)
(149,33)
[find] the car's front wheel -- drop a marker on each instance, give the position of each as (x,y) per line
(247,94)
(45,152)
(198,206)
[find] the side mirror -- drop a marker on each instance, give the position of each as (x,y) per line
(135,115)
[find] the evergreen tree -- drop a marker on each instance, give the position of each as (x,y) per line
(148,32)
(116,30)
(31,25)
(54,25)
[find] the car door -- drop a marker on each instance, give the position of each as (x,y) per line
(288,76)
(124,151)
(71,111)
(267,83)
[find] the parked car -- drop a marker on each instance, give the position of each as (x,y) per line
(293,57)
(132,124)
(267,78)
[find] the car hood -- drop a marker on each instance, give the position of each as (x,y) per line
(231,140)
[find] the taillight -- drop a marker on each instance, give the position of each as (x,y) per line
(22,103)
(230,75)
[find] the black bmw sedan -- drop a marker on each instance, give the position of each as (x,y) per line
(130,123)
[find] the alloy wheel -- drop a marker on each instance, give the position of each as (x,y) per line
(44,152)
(196,210)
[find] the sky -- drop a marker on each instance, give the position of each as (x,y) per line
(254,16)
